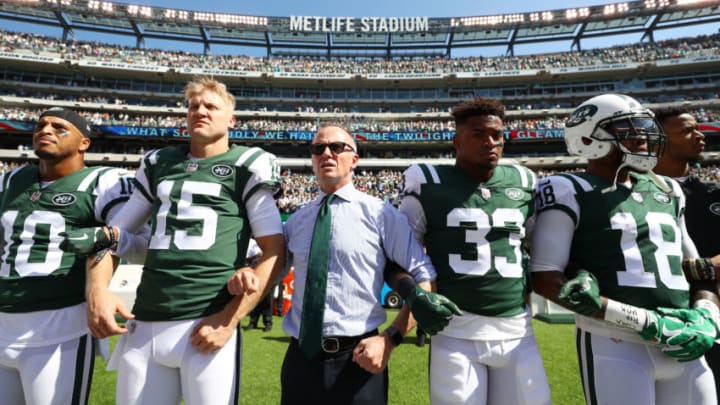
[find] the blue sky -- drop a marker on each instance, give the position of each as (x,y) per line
(387,8)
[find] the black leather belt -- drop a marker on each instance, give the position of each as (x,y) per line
(331,345)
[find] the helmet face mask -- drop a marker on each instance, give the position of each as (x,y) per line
(614,120)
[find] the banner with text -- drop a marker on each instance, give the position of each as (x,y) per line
(306,136)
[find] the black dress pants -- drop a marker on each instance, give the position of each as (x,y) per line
(329,379)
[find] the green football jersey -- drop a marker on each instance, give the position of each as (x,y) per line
(34,273)
(474,234)
(199,227)
(628,238)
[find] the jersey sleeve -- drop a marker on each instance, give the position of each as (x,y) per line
(410,205)
(557,192)
(113,189)
(264,172)
(141,181)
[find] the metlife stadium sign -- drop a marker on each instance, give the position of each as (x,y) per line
(361,24)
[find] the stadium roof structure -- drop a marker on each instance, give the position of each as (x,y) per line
(370,37)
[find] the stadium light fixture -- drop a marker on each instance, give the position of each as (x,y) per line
(101,5)
(618,8)
(575,13)
(651,4)
(143,11)
(177,14)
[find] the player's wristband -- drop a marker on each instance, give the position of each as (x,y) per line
(105,245)
(625,315)
(405,286)
(699,269)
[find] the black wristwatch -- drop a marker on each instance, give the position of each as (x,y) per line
(394,335)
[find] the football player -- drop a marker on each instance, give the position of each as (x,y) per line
(472,218)
(205,199)
(622,228)
(46,350)
(685,144)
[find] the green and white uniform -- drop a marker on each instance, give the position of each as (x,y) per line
(42,288)
(203,213)
(200,230)
(632,239)
(473,233)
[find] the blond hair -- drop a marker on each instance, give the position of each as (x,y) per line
(197,86)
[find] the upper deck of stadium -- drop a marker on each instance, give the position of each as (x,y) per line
(364,36)
(373,77)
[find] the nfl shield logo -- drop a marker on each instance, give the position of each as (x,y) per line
(192,167)
(485,193)
(35,196)
(637,197)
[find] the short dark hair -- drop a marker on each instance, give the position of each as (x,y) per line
(478,107)
(662,114)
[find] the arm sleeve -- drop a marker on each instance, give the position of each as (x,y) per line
(403,248)
(113,196)
(263,214)
(551,241)
(132,246)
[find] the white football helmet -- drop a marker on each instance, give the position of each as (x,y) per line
(600,123)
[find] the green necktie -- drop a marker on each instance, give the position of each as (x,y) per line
(316,282)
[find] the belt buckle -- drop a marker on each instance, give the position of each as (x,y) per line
(330,345)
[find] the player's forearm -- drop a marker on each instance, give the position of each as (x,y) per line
(404,321)
(548,284)
(99,274)
(267,272)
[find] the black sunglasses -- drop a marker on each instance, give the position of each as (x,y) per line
(335,147)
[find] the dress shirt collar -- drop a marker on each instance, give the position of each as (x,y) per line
(347,192)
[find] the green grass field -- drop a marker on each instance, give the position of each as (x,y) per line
(264,351)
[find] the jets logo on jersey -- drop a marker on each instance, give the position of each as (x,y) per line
(514,194)
(662,198)
(63,199)
(581,115)
(222,170)
(715,208)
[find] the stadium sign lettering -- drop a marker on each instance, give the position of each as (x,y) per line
(405,76)
(126,66)
(219,72)
(307,136)
(537,134)
(314,75)
(22,56)
(364,24)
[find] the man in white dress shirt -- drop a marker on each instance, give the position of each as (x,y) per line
(349,366)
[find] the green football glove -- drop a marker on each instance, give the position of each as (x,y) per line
(85,241)
(581,294)
(431,311)
(697,337)
(661,329)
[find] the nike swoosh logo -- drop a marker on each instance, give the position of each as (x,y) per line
(83,238)
(670,333)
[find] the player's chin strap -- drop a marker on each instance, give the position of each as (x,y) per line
(660,183)
(613,184)
(663,185)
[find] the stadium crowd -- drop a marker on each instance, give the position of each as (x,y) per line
(353,123)
(639,52)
